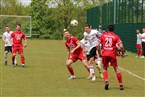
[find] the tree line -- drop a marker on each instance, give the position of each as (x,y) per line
(50,17)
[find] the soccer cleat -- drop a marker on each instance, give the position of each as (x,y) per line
(90,76)
(13,65)
(142,56)
(121,87)
(6,63)
(72,77)
(93,78)
(24,66)
(106,85)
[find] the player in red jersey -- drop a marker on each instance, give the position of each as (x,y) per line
(16,41)
(110,42)
(75,52)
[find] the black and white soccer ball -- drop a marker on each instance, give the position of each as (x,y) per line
(74,23)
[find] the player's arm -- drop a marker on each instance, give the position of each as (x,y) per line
(142,37)
(25,40)
(68,52)
(78,45)
(98,51)
(4,39)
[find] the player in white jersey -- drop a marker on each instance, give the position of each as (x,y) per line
(91,36)
(138,43)
(6,40)
(86,47)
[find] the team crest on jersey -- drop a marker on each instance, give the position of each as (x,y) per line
(18,36)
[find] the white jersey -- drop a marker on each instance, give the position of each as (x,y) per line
(143,35)
(86,46)
(138,38)
(6,37)
(92,37)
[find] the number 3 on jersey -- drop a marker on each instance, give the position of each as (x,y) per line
(108,42)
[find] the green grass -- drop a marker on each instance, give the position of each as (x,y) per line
(46,75)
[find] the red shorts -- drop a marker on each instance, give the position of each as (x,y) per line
(108,59)
(138,46)
(75,57)
(18,48)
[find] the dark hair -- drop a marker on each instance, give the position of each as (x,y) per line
(87,25)
(111,27)
(18,25)
(103,29)
(7,25)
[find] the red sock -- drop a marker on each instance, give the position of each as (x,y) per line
(105,74)
(23,59)
(119,77)
(70,69)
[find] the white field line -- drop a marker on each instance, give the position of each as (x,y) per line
(132,74)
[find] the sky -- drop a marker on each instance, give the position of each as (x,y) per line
(25,2)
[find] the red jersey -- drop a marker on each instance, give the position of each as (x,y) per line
(109,41)
(17,37)
(72,43)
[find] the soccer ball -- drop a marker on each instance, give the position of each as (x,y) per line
(74,23)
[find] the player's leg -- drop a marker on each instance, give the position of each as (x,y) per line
(15,61)
(105,61)
(98,63)
(91,61)
(118,73)
(84,59)
(14,50)
(6,50)
(20,51)
(70,69)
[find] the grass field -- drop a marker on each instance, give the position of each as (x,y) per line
(46,75)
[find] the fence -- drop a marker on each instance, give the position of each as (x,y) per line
(126,15)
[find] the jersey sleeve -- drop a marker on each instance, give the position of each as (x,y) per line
(24,36)
(3,37)
(100,39)
(74,39)
(118,40)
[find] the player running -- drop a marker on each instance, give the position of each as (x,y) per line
(91,36)
(16,41)
(109,42)
(6,39)
(138,43)
(86,47)
(75,52)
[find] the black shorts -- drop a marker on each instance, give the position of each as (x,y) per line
(92,52)
(8,48)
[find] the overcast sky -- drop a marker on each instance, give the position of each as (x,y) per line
(26,2)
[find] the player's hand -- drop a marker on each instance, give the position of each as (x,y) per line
(25,45)
(72,51)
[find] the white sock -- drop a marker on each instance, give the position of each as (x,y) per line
(92,70)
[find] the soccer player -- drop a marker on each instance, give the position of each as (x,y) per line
(16,41)
(6,39)
(86,47)
(138,43)
(74,51)
(109,42)
(91,36)
(143,42)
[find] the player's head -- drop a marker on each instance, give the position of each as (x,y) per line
(103,30)
(66,34)
(7,27)
(111,27)
(143,30)
(18,27)
(87,28)
(137,31)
